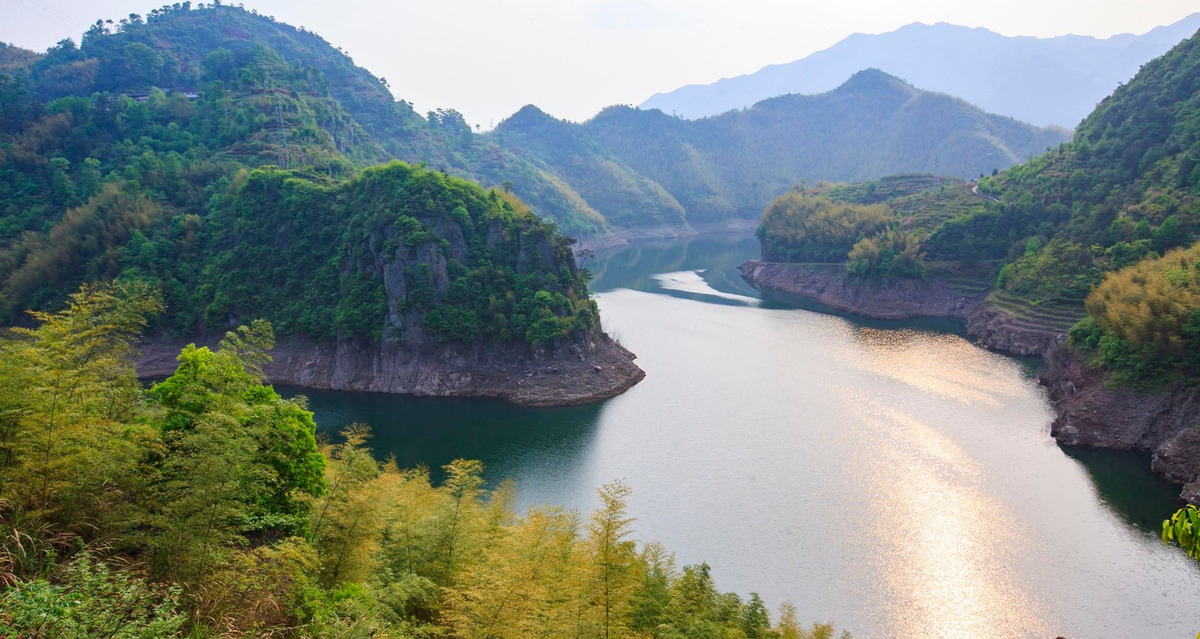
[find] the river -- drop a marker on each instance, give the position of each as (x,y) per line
(894,478)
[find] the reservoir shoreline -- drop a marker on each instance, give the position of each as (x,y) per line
(1089,410)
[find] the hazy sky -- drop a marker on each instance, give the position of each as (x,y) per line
(487,58)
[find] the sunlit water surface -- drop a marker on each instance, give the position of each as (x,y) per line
(894,478)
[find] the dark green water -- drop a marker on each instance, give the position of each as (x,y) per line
(894,477)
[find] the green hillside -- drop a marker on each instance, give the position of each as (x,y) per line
(607,183)
(1102,208)
(733,165)
(219,48)
(222,157)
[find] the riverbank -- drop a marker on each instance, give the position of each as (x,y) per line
(1090,411)
(964,294)
(577,373)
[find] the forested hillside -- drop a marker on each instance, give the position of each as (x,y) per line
(240,193)
(878,227)
(269,74)
(732,165)
(283,91)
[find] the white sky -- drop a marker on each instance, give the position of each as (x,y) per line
(488,58)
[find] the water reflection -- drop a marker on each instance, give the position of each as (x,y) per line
(541,447)
(713,257)
(898,480)
(1141,498)
(944,546)
(946,365)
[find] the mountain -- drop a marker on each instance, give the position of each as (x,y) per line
(730,166)
(187,48)
(607,184)
(235,164)
(1047,82)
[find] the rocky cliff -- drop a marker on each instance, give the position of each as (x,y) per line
(1092,412)
(405,280)
(899,299)
(575,373)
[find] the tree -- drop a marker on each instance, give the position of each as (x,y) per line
(348,518)
(756,621)
(239,459)
(1183,528)
(613,558)
(69,403)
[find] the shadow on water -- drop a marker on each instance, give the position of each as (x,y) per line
(433,431)
(1124,482)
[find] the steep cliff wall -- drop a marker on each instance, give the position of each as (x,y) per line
(573,373)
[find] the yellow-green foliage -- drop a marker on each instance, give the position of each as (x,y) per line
(888,254)
(1148,304)
(203,508)
(797,227)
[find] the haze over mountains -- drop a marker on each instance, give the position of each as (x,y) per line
(646,168)
(1051,81)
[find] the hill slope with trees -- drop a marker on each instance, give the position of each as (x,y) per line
(731,166)
(187,48)
(236,181)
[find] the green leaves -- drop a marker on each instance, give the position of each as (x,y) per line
(1184,528)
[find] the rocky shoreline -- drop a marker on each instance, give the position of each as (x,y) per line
(902,299)
(575,373)
(1090,411)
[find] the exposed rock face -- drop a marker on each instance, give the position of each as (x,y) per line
(575,373)
(899,299)
(1003,332)
(890,299)
(1091,412)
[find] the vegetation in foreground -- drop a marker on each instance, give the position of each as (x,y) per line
(205,507)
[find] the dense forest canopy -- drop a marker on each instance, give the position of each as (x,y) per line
(877,228)
(221,156)
(280,88)
(1144,320)
(205,507)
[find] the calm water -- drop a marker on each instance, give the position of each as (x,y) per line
(895,478)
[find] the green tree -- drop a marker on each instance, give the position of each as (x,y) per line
(613,558)
(69,404)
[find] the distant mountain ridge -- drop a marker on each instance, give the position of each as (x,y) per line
(1043,81)
(640,167)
